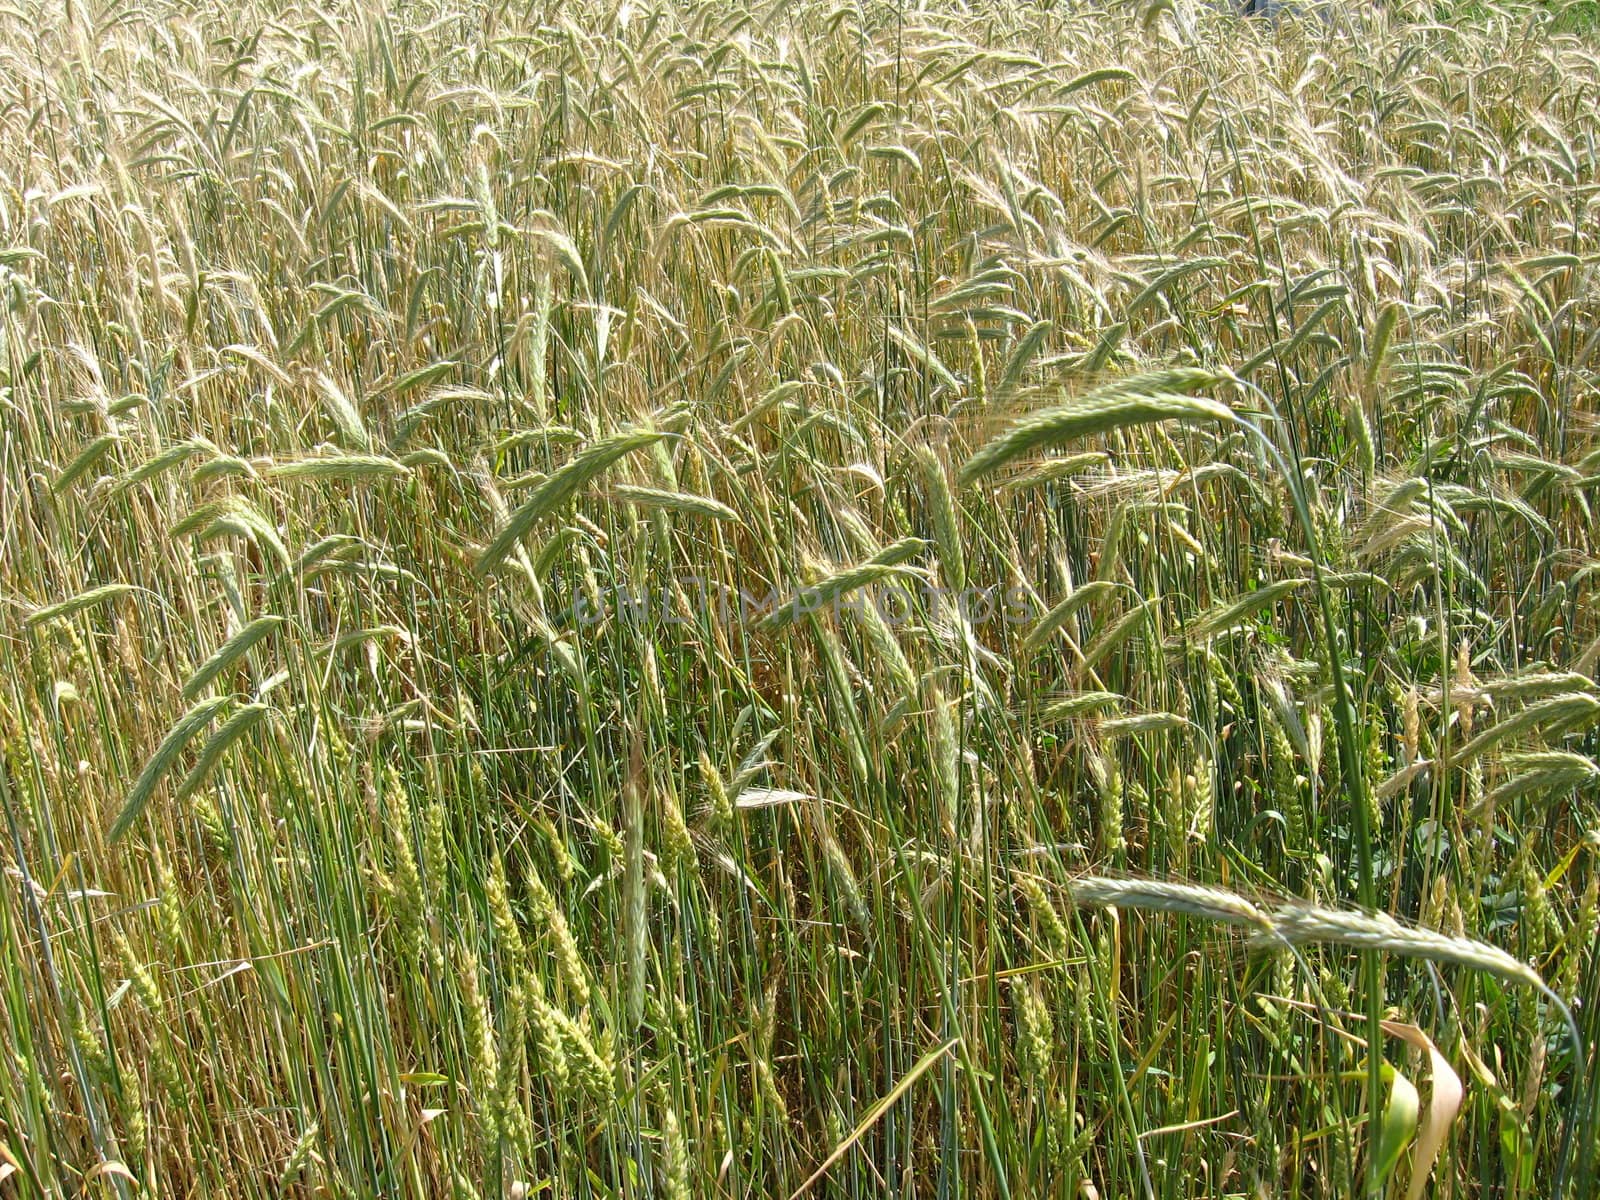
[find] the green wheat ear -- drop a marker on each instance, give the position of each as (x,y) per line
(560,487)
(79,603)
(172,745)
(883,565)
(1137,400)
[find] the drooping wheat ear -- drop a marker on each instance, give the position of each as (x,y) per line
(1299,924)
(682,503)
(240,722)
(1155,722)
(841,871)
(229,653)
(942,510)
(886,647)
(1137,400)
(1028,347)
(1555,714)
(1230,613)
(561,486)
(344,414)
(1378,348)
(1212,904)
(80,466)
(1082,704)
(1549,772)
(165,461)
(944,746)
(179,736)
(340,468)
(1063,612)
(829,589)
(78,603)
(1054,470)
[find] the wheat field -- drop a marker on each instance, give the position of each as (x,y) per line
(714,598)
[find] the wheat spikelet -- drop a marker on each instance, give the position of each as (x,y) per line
(1063,612)
(548,1034)
(638,934)
(560,487)
(172,745)
(1212,904)
(1054,470)
(409,895)
(229,653)
(239,723)
(482,1044)
(79,603)
(300,1156)
(339,468)
(586,1064)
(1555,713)
(1138,400)
(828,590)
(942,507)
(498,897)
(674,1157)
(1302,924)
(569,962)
(681,503)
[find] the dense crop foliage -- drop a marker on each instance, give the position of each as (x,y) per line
(710,599)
